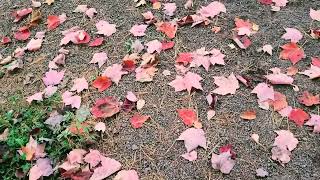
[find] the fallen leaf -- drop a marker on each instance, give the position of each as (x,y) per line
(169,8)
(99,58)
(53,22)
(127,175)
(4,135)
(227,85)
(18,15)
(81,8)
(131,96)
(42,168)
(105,107)
(49,2)
(189,81)
(22,34)
(69,99)
(193,138)
(102,83)
(145,74)
(100,126)
(168,28)
(255,137)
(34,44)
(279,102)
(212,10)
(53,77)
(313,121)
(280,3)
(35,97)
(315,61)
(114,72)
(210,114)
(54,120)
(153,46)
(105,28)
(191,156)
(279,78)
(79,85)
(188,116)
(308,99)
(91,12)
(93,158)
(184,58)
(96,42)
(33,150)
(298,116)
(108,167)
(267,48)
(248,115)
(260,172)
(140,104)
(313,72)
(137,120)
(315,14)
(292,52)
(222,162)
(138,30)
(167,45)
(293,35)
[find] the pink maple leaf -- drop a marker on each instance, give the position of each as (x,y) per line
(96,42)
(50,90)
(99,58)
(93,158)
(189,81)
(285,140)
(73,100)
(105,28)
(193,138)
(80,84)
(81,8)
(138,30)
(35,97)
(315,14)
(131,96)
(315,122)
(137,120)
(191,156)
(264,92)
(313,72)
(145,74)
(212,10)
(127,175)
(34,44)
(292,34)
(279,78)
(223,162)
(153,46)
(18,15)
(227,85)
(280,3)
(91,12)
(268,49)
(169,8)
(108,167)
(41,168)
(76,156)
(100,126)
(53,77)
(114,72)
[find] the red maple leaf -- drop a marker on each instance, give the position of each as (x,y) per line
(184,58)
(96,42)
(137,120)
(188,116)
(167,45)
(102,83)
(292,52)
(298,116)
(168,29)
(22,34)
(53,22)
(308,99)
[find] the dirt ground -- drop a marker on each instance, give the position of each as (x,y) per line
(152,150)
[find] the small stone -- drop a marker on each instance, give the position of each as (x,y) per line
(134,147)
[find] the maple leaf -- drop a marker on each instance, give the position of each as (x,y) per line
(313,72)
(108,167)
(169,8)
(34,44)
(33,150)
(280,3)
(193,138)
(279,78)
(137,120)
(145,74)
(167,45)
(268,49)
(53,77)
(212,10)
(242,41)
(168,28)
(227,85)
(127,175)
(49,2)
(315,122)
(308,99)
(138,30)
(191,156)
(266,2)
(41,168)
(105,107)
(260,172)
(223,162)
(53,22)
(248,115)
(99,58)
(315,61)
(22,34)
(102,83)
(35,97)
(105,28)
(292,34)
(189,81)
(50,90)
(285,140)
(54,120)
(81,8)
(91,12)
(153,46)
(96,42)
(292,52)
(298,116)
(5,40)
(18,15)
(315,14)
(131,96)
(73,100)
(76,156)
(137,46)
(188,116)
(93,158)
(114,72)
(80,84)
(279,102)
(184,58)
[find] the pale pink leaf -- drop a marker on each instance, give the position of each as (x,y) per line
(81,8)
(189,81)
(35,97)
(99,58)
(285,112)
(137,46)
(90,12)
(268,49)
(191,156)
(131,96)
(211,114)
(109,166)
(217,57)
(138,30)
(76,156)
(285,140)
(54,120)
(223,162)
(193,138)
(93,158)
(34,44)
(53,77)
(80,84)
(169,8)
(50,90)
(114,72)
(40,35)
(260,172)
(105,28)
(313,72)
(127,175)
(264,92)
(60,59)
(315,14)
(153,46)
(62,18)
(292,34)
(280,3)
(281,155)
(315,122)
(41,168)
(35,4)
(212,10)
(145,74)
(279,78)
(227,85)
(73,100)
(140,104)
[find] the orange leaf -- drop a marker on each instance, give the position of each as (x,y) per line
(249,115)
(102,83)
(168,29)
(308,99)
(298,116)
(53,22)
(292,52)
